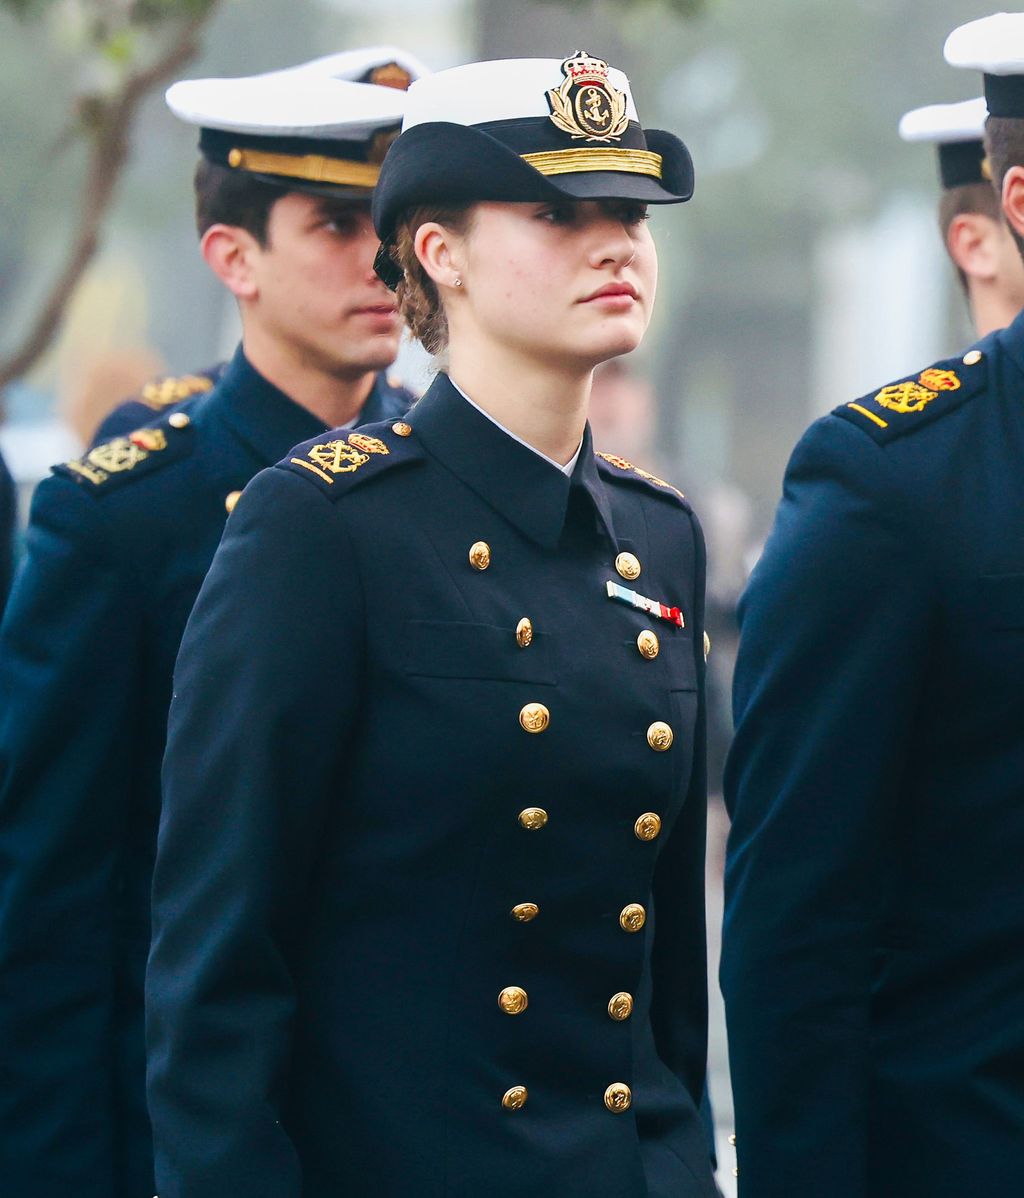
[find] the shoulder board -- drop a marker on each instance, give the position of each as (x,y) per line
(166,392)
(912,403)
(342,459)
(618,468)
(134,456)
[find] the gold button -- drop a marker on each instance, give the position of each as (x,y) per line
(401,428)
(235,157)
(732,1139)
(632,917)
(178,420)
(620,1006)
(533,818)
(617,1098)
(514,1099)
(628,566)
(524,632)
(534,717)
(513,1000)
(659,736)
(707,646)
(479,555)
(647,826)
(972,357)
(524,912)
(647,643)
(230,500)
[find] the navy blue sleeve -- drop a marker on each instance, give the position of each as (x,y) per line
(8,524)
(67,655)
(266,688)
(833,636)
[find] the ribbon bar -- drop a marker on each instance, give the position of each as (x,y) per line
(651,606)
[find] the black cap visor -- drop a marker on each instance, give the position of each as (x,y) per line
(446,163)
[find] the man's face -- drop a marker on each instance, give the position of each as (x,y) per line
(315,290)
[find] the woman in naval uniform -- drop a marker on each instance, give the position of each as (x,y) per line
(429,913)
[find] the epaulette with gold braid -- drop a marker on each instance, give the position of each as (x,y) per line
(131,456)
(343,458)
(164,393)
(913,403)
(629,469)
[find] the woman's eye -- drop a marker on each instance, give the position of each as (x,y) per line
(633,214)
(558,214)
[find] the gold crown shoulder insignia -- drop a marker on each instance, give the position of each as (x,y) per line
(586,105)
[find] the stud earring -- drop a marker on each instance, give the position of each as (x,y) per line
(457,283)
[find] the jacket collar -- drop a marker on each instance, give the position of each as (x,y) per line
(259,413)
(530,493)
(271,423)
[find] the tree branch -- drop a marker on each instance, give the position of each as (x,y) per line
(110,145)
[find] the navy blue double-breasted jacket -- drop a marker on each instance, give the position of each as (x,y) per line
(429,912)
(117,546)
(873,962)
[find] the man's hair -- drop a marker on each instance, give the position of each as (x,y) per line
(971,199)
(1004,145)
(229,197)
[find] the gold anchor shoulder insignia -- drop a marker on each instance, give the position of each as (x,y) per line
(622,464)
(340,456)
(118,455)
(586,105)
(905,397)
(162,393)
(911,398)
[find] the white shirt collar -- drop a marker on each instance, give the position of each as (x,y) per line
(569,466)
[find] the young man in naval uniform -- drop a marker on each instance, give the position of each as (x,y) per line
(974,231)
(872,964)
(118,545)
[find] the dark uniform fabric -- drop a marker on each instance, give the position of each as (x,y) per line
(346,832)
(117,547)
(8,524)
(873,960)
(155,399)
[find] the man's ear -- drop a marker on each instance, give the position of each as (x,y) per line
(231,253)
(439,250)
(1013,199)
(971,240)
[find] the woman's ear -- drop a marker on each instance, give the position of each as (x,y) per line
(230,252)
(439,251)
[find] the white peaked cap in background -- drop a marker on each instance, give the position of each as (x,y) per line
(503,90)
(303,106)
(945,123)
(354,64)
(992,44)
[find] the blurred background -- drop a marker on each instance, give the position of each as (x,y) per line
(807,270)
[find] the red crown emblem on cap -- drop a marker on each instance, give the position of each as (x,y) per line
(584,68)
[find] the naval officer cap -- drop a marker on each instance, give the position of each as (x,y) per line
(321,127)
(995,46)
(956,130)
(527,130)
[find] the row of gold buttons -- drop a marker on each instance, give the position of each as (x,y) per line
(627,565)
(646,828)
(514,1000)
(617,1098)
